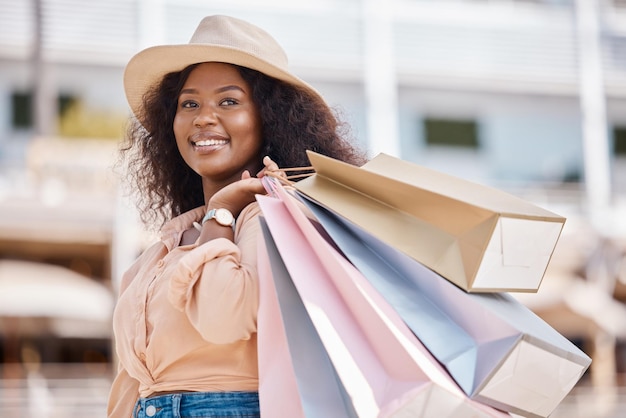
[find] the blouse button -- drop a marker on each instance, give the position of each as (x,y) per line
(160,263)
(150,410)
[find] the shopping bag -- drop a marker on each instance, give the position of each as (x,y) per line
(381,364)
(498,351)
(296,377)
(480,238)
(277,380)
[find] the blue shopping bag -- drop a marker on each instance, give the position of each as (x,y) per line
(498,351)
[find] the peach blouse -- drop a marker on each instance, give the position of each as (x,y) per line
(186,315)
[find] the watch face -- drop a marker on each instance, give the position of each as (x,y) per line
(224,217)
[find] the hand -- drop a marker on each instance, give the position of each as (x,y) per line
(241,193)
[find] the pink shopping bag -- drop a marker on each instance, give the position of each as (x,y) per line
(277,381)
(296,377)
(384,369)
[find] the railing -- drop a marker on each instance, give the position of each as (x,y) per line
(45,398)
(68,391)
(54,398)
(36,397)
(589,402)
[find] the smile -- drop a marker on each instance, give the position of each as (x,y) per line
(210,142)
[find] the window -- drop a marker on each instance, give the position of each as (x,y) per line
(619,141)
(23,111)
(65,102)
(451,133)
(22,114)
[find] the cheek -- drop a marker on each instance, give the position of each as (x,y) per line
(242,122)
(180,136)
(178,126)
(253,126)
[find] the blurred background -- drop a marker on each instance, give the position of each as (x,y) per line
(528,96)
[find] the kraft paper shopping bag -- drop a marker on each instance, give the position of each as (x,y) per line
(499,352)
(381,364)
(296,376)
(480,238)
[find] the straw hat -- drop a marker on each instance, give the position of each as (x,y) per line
(217,39)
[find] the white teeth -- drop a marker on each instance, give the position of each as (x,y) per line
(210,142)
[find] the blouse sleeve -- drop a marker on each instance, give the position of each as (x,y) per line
(216,283)
(123,396)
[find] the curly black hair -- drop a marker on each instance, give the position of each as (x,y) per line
(293,120)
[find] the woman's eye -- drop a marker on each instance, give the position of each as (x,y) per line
(228,102)
(188,104)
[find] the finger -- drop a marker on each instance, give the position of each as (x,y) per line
(272,167)
(270,164)
(245,175)
(266,160)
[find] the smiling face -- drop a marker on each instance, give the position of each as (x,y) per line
(217,125)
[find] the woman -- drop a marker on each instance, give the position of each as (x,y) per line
(211,118)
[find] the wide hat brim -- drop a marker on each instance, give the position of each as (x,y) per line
(148,67)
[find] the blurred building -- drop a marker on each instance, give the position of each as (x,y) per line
(526,95)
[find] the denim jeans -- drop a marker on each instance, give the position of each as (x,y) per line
(199,405)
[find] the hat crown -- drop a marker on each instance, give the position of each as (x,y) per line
(232,33)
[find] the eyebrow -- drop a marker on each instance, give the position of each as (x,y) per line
(219,90)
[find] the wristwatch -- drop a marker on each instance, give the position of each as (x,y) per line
(222,216)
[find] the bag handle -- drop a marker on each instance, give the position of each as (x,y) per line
(273,179)
(287,179)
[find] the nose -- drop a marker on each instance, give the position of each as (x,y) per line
(205,117)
